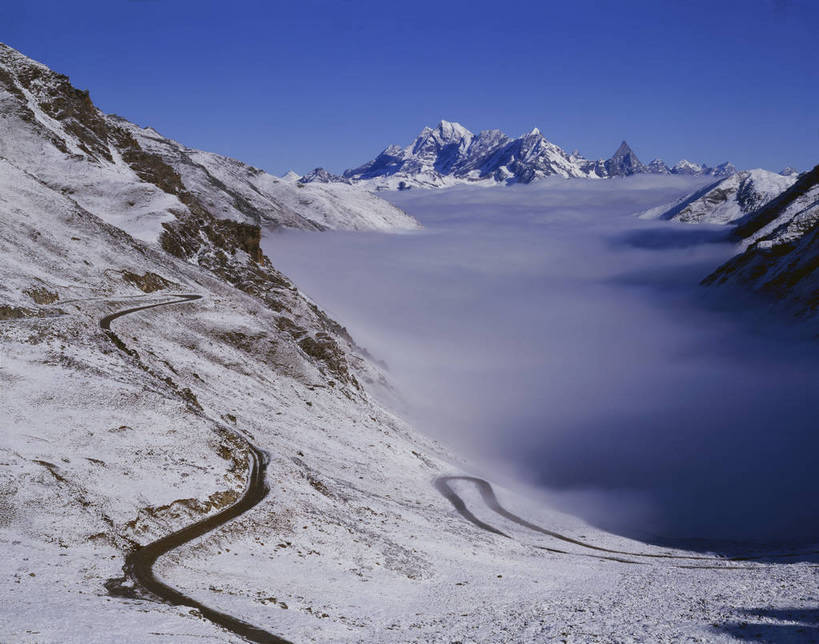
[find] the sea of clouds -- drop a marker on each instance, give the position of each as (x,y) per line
(548,331)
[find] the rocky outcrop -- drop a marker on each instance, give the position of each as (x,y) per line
(149,282)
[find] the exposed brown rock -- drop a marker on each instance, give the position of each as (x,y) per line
(17,312)
(42,295)
(147,283)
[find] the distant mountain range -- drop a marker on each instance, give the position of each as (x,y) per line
(449,154)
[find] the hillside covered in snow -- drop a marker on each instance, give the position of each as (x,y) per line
(193,450)
(450,154)
(726,200)
(140,181)
(773,220)
(780,248)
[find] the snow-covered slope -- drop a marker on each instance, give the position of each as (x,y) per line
(781,247)
(450,154)
(725,201)
(233,190)
(774,219)
(111,441)
(107,449)
(134,178)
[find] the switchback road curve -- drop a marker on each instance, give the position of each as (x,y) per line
(140,561)
(444,487)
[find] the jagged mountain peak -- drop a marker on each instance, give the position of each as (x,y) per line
(623,149)
(658,166)
(444,133)
(320,175)
(624,162)
(684,166)
(452,129)
(450,153)
(725,169)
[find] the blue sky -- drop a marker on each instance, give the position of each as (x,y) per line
(308,83)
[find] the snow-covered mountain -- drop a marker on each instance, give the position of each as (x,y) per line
(781,247)
(449,154)
(658,166)
(624,163)
(112,442)
(726,200)
(775,221)
(136,179)
(117,438)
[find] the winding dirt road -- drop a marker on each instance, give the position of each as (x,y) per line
(139,562)
(443,485)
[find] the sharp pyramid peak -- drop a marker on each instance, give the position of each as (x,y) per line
(624,147)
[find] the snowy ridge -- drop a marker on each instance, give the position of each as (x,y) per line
(138,180)
(234,190)
(724,201)
(780,243)
(450,154)
(774,219)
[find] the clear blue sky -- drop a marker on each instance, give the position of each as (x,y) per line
(306,83)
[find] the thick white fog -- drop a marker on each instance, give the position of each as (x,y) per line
(547,330)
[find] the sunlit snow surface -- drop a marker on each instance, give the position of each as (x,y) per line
(547,330)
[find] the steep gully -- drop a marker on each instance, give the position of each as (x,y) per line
(140,561)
